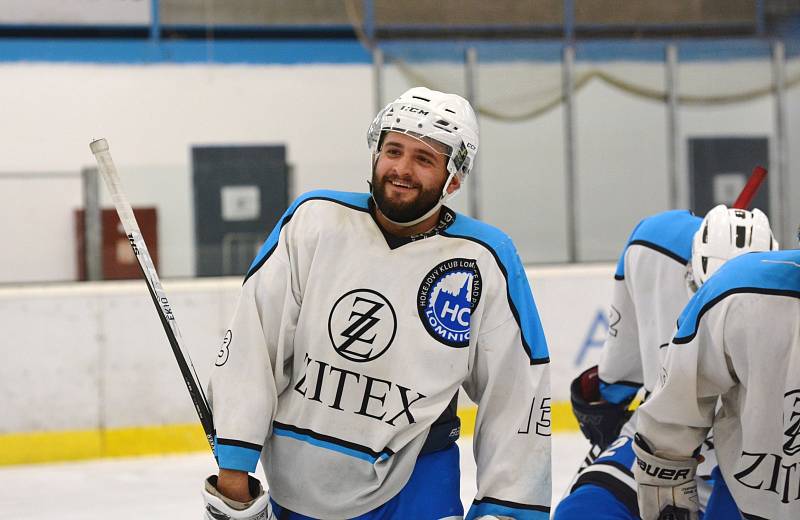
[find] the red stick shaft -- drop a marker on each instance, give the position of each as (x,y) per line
(751,188)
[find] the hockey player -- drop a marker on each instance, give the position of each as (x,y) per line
(359,320)
(738,339)
(667,256)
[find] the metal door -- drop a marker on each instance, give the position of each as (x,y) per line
(240,192)
(719,168)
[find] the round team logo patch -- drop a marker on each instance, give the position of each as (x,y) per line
(445,300)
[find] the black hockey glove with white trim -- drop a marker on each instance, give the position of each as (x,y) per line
(600,421)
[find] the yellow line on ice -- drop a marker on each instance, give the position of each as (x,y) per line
(561,418)
(41,447)
(38,447)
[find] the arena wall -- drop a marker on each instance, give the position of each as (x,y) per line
(89,372)
(153,114)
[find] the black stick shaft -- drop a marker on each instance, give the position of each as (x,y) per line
(109,172)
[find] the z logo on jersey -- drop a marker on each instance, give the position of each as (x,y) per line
(791,423)
(773,472)
(362,325)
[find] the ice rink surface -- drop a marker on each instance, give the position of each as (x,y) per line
(169,487)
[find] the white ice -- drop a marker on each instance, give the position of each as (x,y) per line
(168,487)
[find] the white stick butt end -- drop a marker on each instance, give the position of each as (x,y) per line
(99,145)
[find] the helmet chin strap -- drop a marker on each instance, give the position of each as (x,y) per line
(436,207)
(691,284)
(416,221)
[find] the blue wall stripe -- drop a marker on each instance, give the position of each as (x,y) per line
(343,51)
(600,50)
(256,52)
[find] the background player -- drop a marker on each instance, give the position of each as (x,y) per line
(738,339)
(667,256)
(358,322)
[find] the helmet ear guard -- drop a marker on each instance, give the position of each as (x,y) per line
(726,233)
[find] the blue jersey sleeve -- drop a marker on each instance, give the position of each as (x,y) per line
(772,272)
(670,233)
(520,298)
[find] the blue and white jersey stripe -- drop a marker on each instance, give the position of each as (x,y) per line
(771,272)
(358,201)
(669,233)
(520,298)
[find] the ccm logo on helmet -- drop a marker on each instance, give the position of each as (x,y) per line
(664,473)
(413,110)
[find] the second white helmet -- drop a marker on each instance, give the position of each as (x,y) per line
(726,233)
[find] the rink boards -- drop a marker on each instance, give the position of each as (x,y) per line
(88,372)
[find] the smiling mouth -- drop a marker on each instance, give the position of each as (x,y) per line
(402,185)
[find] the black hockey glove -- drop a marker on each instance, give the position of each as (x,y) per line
(600,421)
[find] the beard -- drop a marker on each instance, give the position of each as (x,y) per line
(403,211)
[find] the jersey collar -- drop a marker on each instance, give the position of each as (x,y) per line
(446,218)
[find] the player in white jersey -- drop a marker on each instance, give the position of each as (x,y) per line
(359,320)
(738,339)
(667,256)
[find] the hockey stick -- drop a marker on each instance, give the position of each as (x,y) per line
(107,169)
(750,189)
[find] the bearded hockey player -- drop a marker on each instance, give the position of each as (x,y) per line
(359,320)
(666,258)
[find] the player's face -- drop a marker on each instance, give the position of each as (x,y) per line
(409,176)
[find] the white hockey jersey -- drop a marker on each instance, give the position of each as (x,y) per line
(739,338)
(649,294)
(347,344)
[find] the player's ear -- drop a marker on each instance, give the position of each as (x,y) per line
(455,183)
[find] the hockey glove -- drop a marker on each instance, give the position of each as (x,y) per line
(666,489)
(220,507)
(600,421)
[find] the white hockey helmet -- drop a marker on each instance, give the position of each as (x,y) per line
(424,113)
(726,233)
